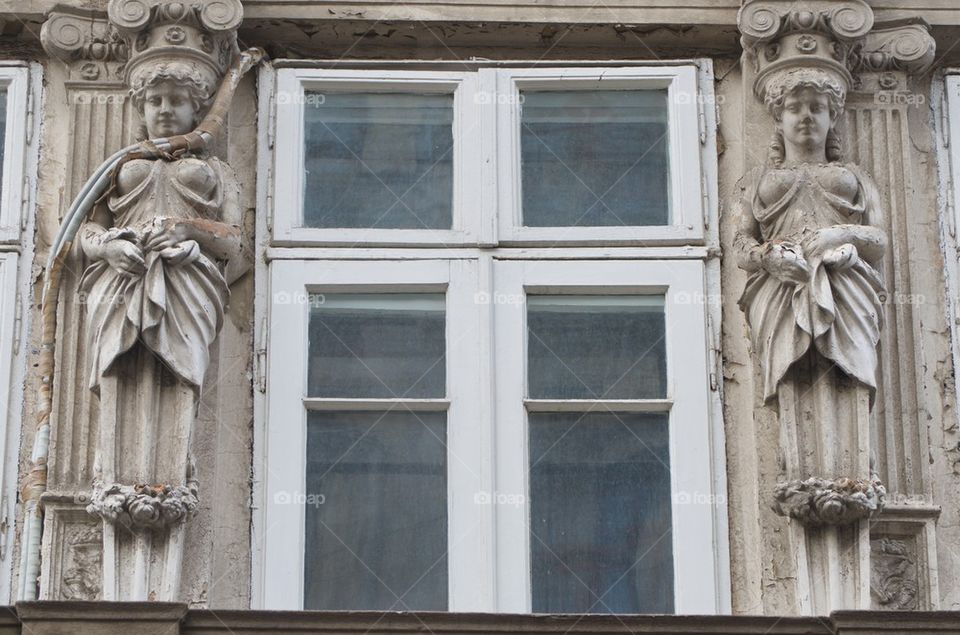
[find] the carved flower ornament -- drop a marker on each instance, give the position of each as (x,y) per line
(806,44)
(144,506)
(175,35)
(818,501)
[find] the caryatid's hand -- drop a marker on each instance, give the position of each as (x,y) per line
(785,261)
(124,256)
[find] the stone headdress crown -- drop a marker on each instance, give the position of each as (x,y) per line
(163,33)
(820,36)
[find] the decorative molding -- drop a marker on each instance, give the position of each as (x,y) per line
(74,554)
(903,558)
(144,506)
(86,42)
(162,31)
(893,574)
(816,502)
(768,20)
(907,47)
(82,564)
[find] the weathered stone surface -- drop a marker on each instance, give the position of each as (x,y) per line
(816,501)
(102,618)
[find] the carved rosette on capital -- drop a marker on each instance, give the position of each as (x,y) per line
(811,238)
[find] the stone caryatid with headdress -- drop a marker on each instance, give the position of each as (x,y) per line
(810,237)
(164,247)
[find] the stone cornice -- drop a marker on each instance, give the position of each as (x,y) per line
(652,12)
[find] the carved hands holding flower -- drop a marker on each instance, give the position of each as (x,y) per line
(793,261)
(789,261)
(175,240)
(178,242)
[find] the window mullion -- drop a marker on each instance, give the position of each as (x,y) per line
(469,445)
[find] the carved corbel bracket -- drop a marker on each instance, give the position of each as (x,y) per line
(144,506)
(85,41)
(816,502)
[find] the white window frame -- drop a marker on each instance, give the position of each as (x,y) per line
(286,261)
(487,180)
(468,159)
(473,527)
(683,141)
(16,80)
(24,83)
(687,403)
(946,104)
(469,525)
(11,395)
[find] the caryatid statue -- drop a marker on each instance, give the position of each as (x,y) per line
(164,247)
(810,236)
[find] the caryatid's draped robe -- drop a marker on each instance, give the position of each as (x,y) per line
(175,311)
(837,310)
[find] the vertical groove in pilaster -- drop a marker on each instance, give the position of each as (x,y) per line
(99,127)
(880,147)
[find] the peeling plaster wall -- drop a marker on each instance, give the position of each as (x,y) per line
(52,170)
(743,461)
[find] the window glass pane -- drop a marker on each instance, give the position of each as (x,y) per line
(378,160)
(600,528)
(377,345)
(596,347)
(594,158)
(376,511)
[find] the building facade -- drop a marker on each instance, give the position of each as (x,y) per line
(480,308)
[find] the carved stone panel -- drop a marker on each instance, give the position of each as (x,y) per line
(903,572)
(75,553)
(894,576)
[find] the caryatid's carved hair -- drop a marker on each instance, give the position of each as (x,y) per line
(820,81)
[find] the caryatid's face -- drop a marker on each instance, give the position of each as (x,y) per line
(168,110)
(806,119)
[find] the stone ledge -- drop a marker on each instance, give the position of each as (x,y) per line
(100,618)
(149,618)
(263,622)
(913,623)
